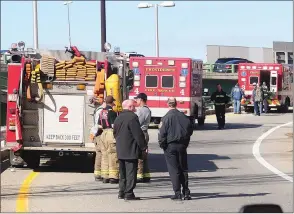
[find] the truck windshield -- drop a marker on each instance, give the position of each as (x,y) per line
(253,80)
(151,81)
(167,81)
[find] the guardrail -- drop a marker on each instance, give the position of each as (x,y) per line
(220,68)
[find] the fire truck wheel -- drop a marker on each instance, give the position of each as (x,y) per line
(201,121)
(32,159)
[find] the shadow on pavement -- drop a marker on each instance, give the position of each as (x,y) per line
(214,126)
(68,165)
(198,196)
(160,186)
(196,162)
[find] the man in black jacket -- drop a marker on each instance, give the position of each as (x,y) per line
(130,146)
(220,99)
(174,137)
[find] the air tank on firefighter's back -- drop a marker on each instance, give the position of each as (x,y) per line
(112,85)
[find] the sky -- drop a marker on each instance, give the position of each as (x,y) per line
(184,30)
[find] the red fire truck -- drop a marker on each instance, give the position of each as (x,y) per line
(160,78)
(50,115)
(276,77)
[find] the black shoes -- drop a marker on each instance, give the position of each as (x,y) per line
(187,197)
(176,197)
(143,180)
(113,181)
(121,195)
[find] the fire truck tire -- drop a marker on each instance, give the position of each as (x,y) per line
(15,161)
(32,159)
(201,121)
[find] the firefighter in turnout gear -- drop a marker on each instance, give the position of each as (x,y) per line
(95,137)
(109,162)
(220,99)
(144,115)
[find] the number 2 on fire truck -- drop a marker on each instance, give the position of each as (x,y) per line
(62,116)
(182,92)
(137,91)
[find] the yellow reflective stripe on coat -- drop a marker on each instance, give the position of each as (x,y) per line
(220,95)
(218,104)
(97,172)
(104,172)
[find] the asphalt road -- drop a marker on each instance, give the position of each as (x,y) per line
(224,175)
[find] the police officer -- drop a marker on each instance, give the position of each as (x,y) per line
(174,137)
(220,99)
(95,137)
(144,115)
(109,162)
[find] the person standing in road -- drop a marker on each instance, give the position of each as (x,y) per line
(144,115)
(95,137)
(237,94)
(257,99)
(109,162)
(174,137)
(130,146)
(220,99)
(265,96)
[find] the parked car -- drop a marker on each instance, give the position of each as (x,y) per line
(228,66)
(219,65)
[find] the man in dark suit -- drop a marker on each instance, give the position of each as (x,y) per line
(130,146)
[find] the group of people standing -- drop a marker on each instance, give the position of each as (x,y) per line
(121,142)
(259,97)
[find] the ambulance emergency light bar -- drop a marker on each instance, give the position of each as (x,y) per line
(169,62)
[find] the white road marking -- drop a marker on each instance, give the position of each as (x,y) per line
(256,153)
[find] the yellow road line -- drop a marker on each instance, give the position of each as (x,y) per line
(22,198)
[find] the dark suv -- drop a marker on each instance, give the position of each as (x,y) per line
(220,64)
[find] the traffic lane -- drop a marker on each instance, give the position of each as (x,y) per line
(212,177)
(233,181)
(280,148)
(11,181)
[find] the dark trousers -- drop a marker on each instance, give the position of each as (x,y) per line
(177,165)
(127,177)
(220,111)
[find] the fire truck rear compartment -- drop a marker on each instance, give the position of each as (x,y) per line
(35,143)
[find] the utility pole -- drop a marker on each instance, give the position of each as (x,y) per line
(103,24)
(35,17)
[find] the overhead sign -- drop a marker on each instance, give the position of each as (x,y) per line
(160,69)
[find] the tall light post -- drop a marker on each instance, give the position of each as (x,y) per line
(163,4)
(67,3)
(35,18)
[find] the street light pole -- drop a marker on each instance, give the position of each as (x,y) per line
(35,28)
(156,31)
(67,3)
(163,4)
(103,24)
